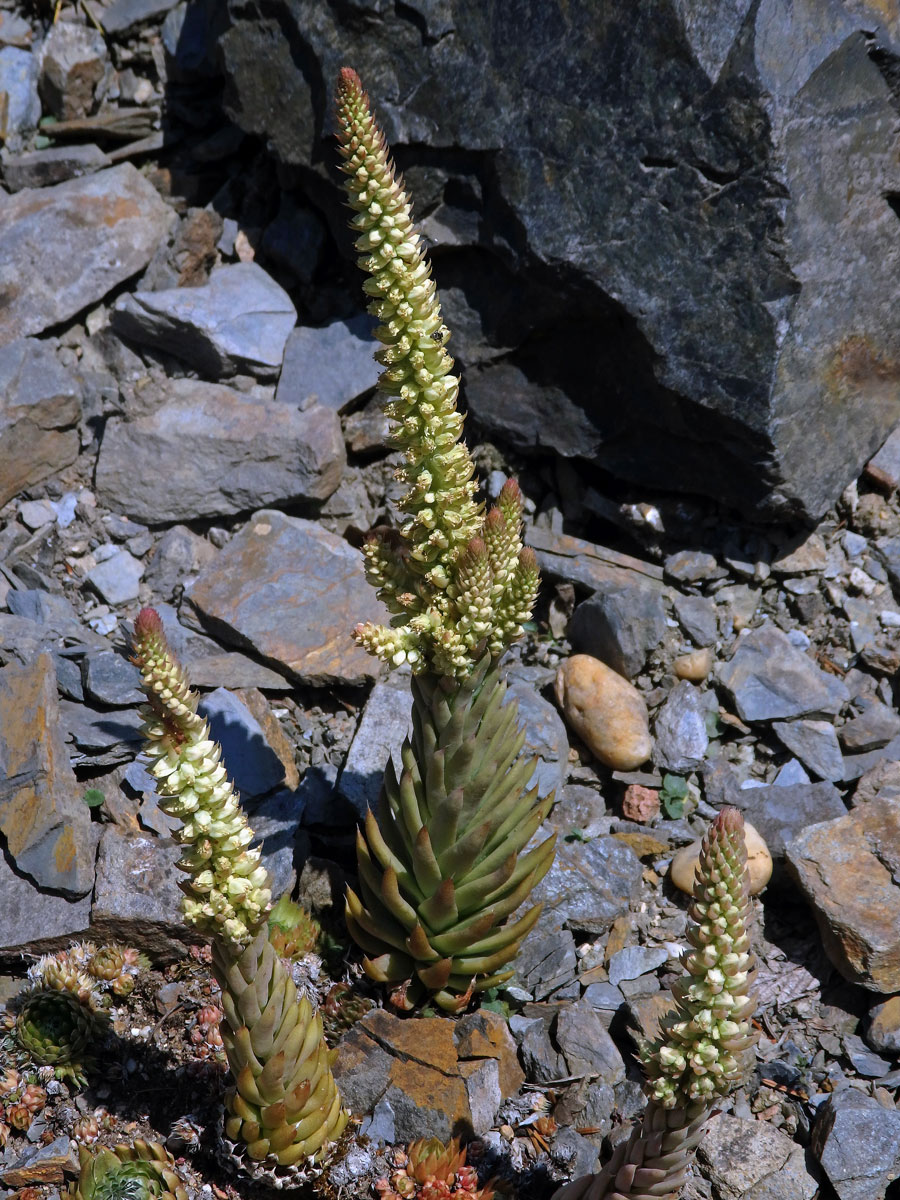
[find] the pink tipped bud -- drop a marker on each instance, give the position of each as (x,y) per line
(510,493)
(729,820)
(148,623)
(476,549)
(528,560)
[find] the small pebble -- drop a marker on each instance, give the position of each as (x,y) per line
(694,666)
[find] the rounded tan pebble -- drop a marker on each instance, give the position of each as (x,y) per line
(606,711)
(694,666)
(759,860)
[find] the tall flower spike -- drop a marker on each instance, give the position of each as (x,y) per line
(694,1060)
(449,599)
(284,1110)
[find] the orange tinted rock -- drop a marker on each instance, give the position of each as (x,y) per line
(640,804)
(606,711)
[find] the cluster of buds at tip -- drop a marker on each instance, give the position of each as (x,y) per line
(456,581)
(87,970)
(429,1170)
(698,1054)
(228,892)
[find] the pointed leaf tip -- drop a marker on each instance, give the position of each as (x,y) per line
(147,622)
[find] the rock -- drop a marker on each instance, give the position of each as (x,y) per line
(179,556)
(759,862)
(640,804)
(275,822)
(485,1035)
(19,80)
(804,553)
(42,1165)
(857,1141)
(110,678)
(545,733)
(884,1026)
(101,738)
(588,886)
(546,961)
(740,603)
(562,557)
(55,613)
(871,764)
(783,356)
(39,412)
(46,825)
(146,911)
(380,733)
(34,922)
(367,431)
(74,65)
(633,961)
(331,366)
(752,1160)
(291,592)
(883,468)
(117,578)
(255,452)
(573,1154)
(252,764)
(849,871)
(697,617)
(587,1047)
(123,15)
(875,726)
(783,810)
(816,745)
(56,164)
(863,1061)
(295,239)
(881,780)
(620,626)
(540,1057)
(238,322)
(36,513)
(768,679)
(605,711)
(680,737)
(73,243)
(691,566)
(694,666)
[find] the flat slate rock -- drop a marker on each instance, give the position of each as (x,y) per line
(857,1141)
(238,322)
(331,365)
(755,1160)
(769,679)
(56,164)
(255,452)
(46,825)
(40,405)
(783,810)
(815,743)
(589,885)
(36,922)
(380,733)
(292,592)
(252,765)
(65,247)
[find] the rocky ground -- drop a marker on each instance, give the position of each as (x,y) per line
(172,435)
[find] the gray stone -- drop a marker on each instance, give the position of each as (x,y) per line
(291,591)
(35,922)
(331,365)
(110,678)
(74,69)
(887,551)
(56,613)
(768,679)
(122,15)
(117,579)
(36,513)
(545,733)
(56,164)
(563,557)
(691,566)
(238,322)
(792,772)
(697,617)
(275,822)
(857,1141)
(622,196)
(863,1061)
(816,745)
(179,555)
(752,1160)
(634,961)
(782,811)
(367,431)
(295,239)
(19,79)
(604,997)
(681,740)
(255,452)
(101,737)
(580,807)
(589,885)
(46,826)
(39,412)
(252,764)
(137,899)
(856,765)
(65,247)
(380,733)
(875,726)
(574,1154)
(381,1126)
(620,626)
(540,1058)
(546,961)
(586,1045)
(883,1033)
(884,465)
(804,552)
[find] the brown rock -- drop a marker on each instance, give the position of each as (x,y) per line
(640,804)
(485,1034)
(606,711)
(693,666)
(429,1040)
(42,1164)
(441,1102)
(292,592)
(848,871)
(46,824)
(276,738)
(759,861)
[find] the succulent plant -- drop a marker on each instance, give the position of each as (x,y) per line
(141,1171)
(56,1029)
(284,1109)
(694,1061)
(342,1008)
(429,1170)
(292,930)
(439,871)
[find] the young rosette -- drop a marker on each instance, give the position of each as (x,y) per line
(429,1170)
(141,1171)
(56,1029)
(442,869)
(695,1060)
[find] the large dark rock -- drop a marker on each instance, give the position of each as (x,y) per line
(664,232)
